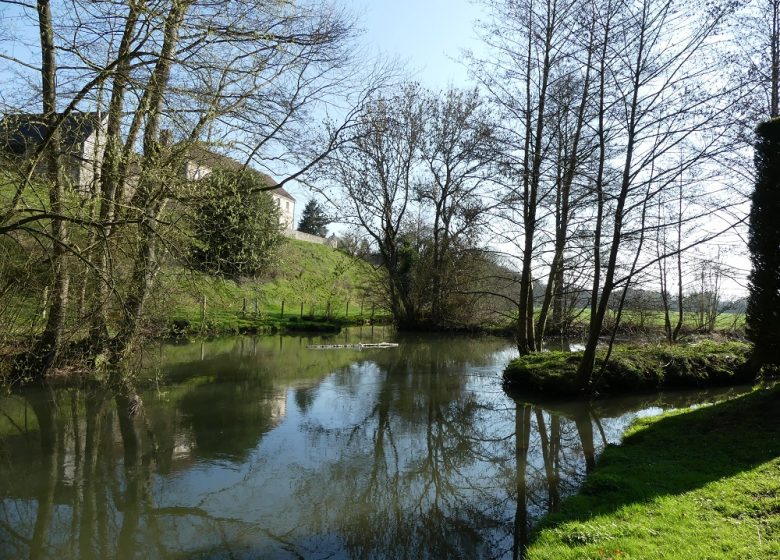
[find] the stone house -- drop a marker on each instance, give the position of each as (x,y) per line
(83,143)
(200,161)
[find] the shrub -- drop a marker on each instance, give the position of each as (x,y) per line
(236,225)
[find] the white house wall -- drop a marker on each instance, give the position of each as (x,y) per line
(286,210)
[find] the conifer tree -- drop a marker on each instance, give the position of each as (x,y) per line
(763,309)
(314,221)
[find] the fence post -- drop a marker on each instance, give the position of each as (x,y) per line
(243,308)
(45,301)
(282,309)
(203,310)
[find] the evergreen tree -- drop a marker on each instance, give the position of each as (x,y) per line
(314,221)
(236,226)
(763,308)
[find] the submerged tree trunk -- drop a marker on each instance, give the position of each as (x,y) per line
(45,407)
(522,443)
(128,405)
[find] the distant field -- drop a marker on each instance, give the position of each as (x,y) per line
(725,321)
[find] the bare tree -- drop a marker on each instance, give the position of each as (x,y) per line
(248,76)
(376,173)
(531,47)
(458,154)
(645,77)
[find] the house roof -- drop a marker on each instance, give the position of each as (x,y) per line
(21,131)
(212,159)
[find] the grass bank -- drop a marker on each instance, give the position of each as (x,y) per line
(312,288)
(701,483)
(633,368)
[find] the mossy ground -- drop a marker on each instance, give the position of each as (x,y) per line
(633,367)
(702,483)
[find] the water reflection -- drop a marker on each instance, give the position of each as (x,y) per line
(247,448)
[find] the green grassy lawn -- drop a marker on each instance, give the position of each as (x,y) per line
(701,483)
(633,367)
(630,319)
(725,321)
(318,286)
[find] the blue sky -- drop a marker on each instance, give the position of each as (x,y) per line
(427,34)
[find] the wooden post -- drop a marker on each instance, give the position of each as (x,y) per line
(347,313)
(282,309)
(203,310)
(243,308)
(361,309)
(45,301)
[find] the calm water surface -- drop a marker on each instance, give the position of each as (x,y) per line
(262,448)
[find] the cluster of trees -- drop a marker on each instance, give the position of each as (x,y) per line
(606,143)
(417,181)
(602,144)
(164,75)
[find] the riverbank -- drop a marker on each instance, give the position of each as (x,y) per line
(700,483)
(633,367)
(312,288)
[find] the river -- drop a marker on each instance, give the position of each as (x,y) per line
(263,448)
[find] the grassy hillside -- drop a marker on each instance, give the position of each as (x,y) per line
(318,286)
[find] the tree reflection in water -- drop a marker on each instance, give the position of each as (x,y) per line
(254,448)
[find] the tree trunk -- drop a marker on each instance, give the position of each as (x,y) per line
(149,200)
(111,180)
(48,347)
(587,364)
(562,225)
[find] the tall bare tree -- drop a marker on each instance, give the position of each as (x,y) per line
(245,76)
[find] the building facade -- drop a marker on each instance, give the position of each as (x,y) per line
(83,144)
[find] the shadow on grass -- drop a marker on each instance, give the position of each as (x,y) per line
(678,454)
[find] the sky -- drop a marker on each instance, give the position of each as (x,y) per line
(428,36)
